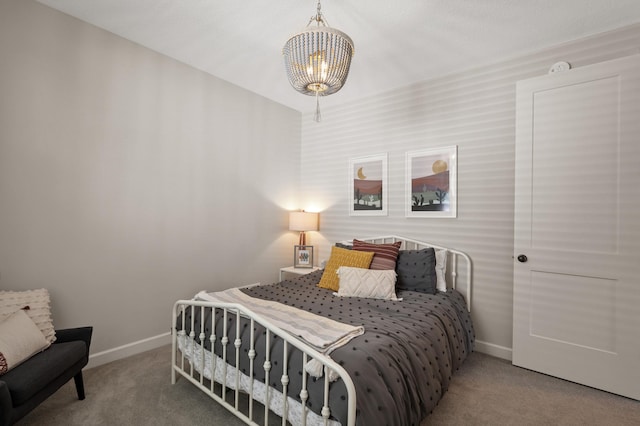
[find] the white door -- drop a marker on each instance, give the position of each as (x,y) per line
(577,226)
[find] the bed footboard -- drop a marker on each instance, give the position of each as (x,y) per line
(240,357)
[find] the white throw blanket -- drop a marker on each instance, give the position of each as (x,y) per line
(323,334)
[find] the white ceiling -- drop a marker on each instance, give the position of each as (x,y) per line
(396,42)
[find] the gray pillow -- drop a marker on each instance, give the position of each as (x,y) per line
(344,246)
(416,270)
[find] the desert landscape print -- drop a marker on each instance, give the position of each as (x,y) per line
(430,183)
(367,186)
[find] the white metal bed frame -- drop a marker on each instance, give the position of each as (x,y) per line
(188,357)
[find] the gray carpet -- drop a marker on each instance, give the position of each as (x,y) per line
(485,391)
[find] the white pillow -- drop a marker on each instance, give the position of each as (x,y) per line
(441,270)
(370,283)
(39,310)
(20,338)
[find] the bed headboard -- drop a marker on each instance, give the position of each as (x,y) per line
(454,260)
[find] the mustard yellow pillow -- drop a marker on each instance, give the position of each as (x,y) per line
(342,257)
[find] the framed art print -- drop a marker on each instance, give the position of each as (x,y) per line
(368,186)
(303,256)
(431,183)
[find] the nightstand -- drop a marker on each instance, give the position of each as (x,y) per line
(296,271)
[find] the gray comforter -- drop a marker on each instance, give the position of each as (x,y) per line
(401,366)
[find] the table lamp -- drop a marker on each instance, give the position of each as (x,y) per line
(303,221)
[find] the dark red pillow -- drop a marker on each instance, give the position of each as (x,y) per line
(385,256)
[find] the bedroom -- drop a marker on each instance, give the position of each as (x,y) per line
(114,160)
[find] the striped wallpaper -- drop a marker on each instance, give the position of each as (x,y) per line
(473,109)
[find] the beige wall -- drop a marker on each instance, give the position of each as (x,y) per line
(474,110)
(129,180)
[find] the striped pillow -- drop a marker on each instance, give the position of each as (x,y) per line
(385,255)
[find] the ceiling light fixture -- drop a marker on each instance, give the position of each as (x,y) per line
(318,59)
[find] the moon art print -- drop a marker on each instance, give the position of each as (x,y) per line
(361,174)
(439,166)
(431,187)
(367,186)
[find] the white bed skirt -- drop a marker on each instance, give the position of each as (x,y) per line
(193,350)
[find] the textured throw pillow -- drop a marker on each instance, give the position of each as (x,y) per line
(385,254)
(342,257)
(20,338)
(417,270)
(38,304)
(370,283)
(441,270)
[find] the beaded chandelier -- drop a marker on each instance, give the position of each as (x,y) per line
(318,59)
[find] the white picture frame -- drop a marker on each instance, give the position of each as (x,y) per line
(431,183)
(368,188)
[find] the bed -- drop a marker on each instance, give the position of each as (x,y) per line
(333,356)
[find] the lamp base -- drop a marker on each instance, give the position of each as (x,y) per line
(303,239)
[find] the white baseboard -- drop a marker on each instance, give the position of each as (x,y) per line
(494,350)
(144,345)
(129,349)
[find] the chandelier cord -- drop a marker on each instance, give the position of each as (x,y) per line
(318,18)
(317,117)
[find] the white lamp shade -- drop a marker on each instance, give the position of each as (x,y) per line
(303,221)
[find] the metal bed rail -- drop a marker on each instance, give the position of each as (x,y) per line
(193,369)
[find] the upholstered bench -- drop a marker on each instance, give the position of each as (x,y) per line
(24,387)
(35,359)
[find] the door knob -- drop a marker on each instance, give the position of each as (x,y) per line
(522,258)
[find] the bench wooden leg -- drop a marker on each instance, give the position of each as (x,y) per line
(79,385)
